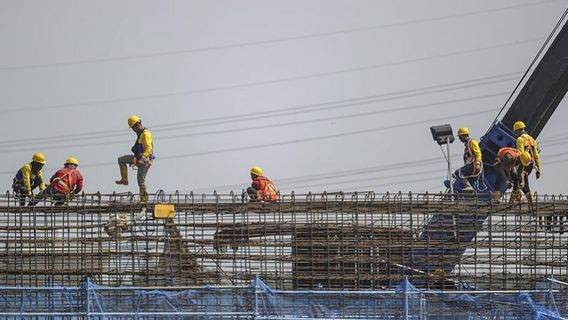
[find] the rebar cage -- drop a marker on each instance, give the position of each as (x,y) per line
(310,241)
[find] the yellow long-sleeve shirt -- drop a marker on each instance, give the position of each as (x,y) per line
(526,143)
(472,152)
(28,176)
(145,139)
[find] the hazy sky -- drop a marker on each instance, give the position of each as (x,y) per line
(322,94)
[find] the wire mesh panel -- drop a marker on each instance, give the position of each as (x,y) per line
(313,241)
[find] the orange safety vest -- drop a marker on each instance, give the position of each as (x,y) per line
(267,190)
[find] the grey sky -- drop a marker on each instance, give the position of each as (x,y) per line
(315,79)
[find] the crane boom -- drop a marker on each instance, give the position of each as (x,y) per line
(535,103)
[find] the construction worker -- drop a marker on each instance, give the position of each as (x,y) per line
(29,177)
(471,170)
(526,143)
(262,188)
(509,165)
(142,157)
(65,183)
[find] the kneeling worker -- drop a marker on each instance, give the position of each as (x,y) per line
(29,177)
(262,188)
(65,183)
(142,158)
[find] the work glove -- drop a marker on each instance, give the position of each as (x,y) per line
(538,174)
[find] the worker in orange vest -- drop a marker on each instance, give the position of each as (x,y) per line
(262,188)
(65,183)
(509,165)
(471,170)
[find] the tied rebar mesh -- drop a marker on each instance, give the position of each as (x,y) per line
(314,241)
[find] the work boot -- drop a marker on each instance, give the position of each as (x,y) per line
(496,196)
(466,185)
(143,196)
(516,196)
(123,175)
(531,200)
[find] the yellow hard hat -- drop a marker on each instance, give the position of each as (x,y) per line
(463,132)
(39,158)
(256,171)
(72,160)
(525,158)
(519,125)
(134,119)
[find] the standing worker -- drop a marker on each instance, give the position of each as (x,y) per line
(29,177)
(142,158)
(509,165)
(471,170)
(262,188)
(65,183)
(526,143)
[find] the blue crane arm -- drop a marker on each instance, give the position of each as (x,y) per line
(534,104)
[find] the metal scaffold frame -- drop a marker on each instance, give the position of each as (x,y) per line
(311,241)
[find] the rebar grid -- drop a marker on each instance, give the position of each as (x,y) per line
(356,240)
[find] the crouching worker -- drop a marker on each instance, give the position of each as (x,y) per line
(509,166)
(29,177)
(471,170)
(262,188)
(141,158)
(65,183)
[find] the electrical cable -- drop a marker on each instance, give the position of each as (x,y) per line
(270,41)
(265,126)
(540,51)
(101,103)
(316,107)
(295,141)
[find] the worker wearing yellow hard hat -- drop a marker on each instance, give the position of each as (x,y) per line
(509,164)
(526,144)
(29,177)
(471,170)
(142,156)
(65,183)
(262,188)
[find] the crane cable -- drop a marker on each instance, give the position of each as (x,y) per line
(533,62)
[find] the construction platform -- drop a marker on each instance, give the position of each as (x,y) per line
(310,241)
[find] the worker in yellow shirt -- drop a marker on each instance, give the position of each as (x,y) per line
(29,177)
(141,157)
(526,143)
(471,170)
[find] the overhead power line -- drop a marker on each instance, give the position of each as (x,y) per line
(260,127)
(286,111)
(533,62)
(296,141)
(269,41)
(105,102)
(299,182)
